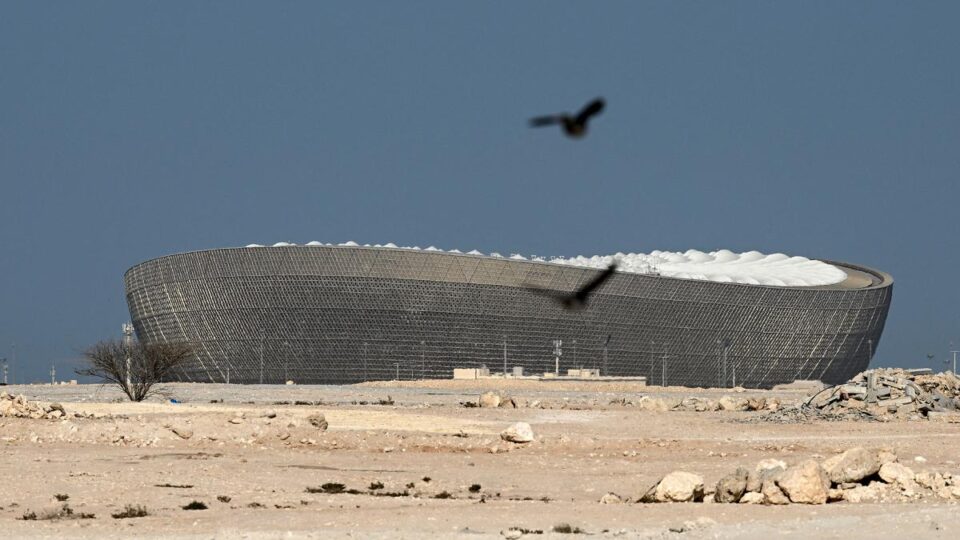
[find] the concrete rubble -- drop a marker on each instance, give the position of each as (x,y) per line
(882,394)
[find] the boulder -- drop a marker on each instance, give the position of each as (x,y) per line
(805,482)
(895,473)
(852,466)
(318,421)
(767,468)
(756,403)
(648,403)
(730,403)
(860,494)
(521,432)
(490,400)
(679,486)
(731,487)
(929,480)
(772,494)
(182,432)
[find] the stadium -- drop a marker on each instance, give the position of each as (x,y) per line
(334,314)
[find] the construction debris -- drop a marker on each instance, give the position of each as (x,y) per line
(882,394)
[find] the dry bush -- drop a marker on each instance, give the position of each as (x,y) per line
(148,365)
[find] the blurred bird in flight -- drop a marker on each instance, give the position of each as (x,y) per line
(574,126)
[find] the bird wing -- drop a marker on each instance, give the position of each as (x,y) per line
(592,108)
(597,281)
(540,121)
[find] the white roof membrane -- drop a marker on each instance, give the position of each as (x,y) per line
(751,267)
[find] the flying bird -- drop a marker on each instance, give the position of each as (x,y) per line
(578,299)
(574,126)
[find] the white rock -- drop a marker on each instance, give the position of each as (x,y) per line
(521,432)
(679,486)
(895,473)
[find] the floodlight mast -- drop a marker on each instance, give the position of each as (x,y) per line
(127,342)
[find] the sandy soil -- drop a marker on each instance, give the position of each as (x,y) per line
(426,444)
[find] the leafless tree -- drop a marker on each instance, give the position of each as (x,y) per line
(135,368)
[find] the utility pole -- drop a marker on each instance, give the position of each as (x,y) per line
(954,365)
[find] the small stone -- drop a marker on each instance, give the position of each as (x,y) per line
(920,459)
(182,432)
(751,497)
(521,432)
(270,413)
(490,400)
(611,498)
(318,421)
(805,483)
(511,534)
(834,495)
(236,420)
(731,487)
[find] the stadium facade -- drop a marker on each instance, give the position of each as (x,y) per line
(346,313)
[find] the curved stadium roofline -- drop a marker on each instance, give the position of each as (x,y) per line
(879,278)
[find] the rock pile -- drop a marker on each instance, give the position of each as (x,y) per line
(699,404)
(885,394)
(20,407)
(857,475)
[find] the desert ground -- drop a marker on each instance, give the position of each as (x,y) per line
(416,460)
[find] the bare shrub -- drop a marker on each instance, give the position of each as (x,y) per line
(131,511)
(136,368)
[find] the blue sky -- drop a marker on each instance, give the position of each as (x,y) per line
(130,130)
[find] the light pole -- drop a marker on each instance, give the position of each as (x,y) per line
(127,343)
(725,343)
(870,345)
(53,374)
(557,352)
(4,360)
(954,365)
(606,345)
(504,357)
(261,355)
